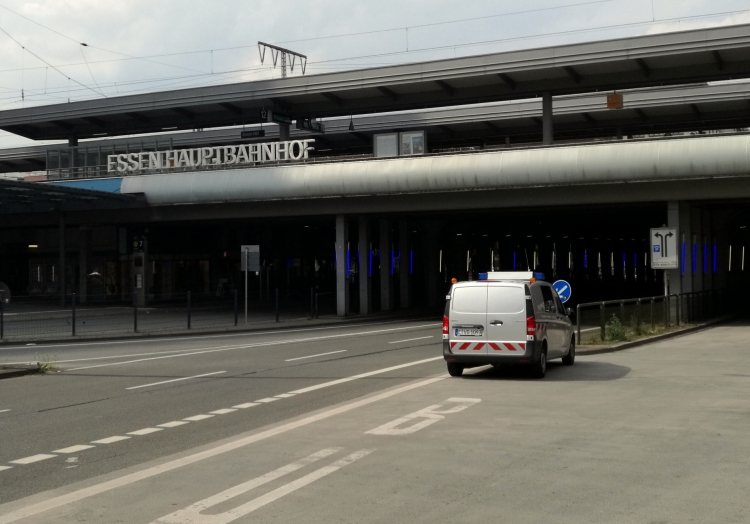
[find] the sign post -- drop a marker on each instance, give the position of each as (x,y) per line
(664,253)
(250,262)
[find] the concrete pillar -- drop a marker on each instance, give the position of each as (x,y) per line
(678,216)
(365,281)
(547,123)
(721,221)
(708,249)
(84,256)
(386,277)
(342,266)
(283,132)
(404,267)
(431,236)
(72,141)
(61,276)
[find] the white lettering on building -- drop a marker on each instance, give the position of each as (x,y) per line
(211,156)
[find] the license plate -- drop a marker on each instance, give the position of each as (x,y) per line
(468,332)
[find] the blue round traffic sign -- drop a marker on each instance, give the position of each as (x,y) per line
(563,290)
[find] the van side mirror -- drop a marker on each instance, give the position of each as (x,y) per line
(568,311)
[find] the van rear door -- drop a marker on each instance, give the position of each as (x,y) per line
(468,333)
(506,319)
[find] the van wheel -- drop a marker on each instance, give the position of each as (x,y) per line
(539,369)
(570,358)
(455,370)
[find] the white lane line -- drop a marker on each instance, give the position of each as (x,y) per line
(188,353)
(363,375)
(246,405)
(73,449)
(209,337)
(176,380)
(3,468)
(32,459)
(313,356)
(145,431)
(194,512)
(109,440)
(266,400)
(222,411)
(285,395)
(196,418)
(173,424)
(410,339)
(4,410)
(125,480)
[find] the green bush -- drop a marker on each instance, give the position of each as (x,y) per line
(638,327)
(615,331)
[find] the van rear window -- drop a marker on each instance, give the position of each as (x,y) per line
(505,299)
(469,299)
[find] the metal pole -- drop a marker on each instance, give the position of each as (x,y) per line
(2,317)
(188,309)
(312,302)
(247,264)
(578,321)
(135,310)
(277,304)
(316,305)
(73,311)
(666,309)
(679,308)
(653,325)
(622,311)
(602,320)
(638,313)
(235,303)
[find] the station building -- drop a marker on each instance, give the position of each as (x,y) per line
(381,185)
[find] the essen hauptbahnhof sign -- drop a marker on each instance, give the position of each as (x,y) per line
(210,156)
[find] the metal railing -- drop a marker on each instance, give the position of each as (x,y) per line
(595,319)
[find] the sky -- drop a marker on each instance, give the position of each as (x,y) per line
(137,46)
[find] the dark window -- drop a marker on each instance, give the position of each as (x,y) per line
(549,300)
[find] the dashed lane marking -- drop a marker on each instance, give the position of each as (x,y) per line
(3,468)
(32,459)
(410,340)
(4,410)
(176,380)
(73,449)
(266,400)
(222,411)
(196,418)
(109,440)
(246,405)
(173,424)
(285,395)
(318,355)
(145,431)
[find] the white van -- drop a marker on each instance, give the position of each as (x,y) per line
(506,318)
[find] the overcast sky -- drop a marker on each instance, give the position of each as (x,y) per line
(136,46)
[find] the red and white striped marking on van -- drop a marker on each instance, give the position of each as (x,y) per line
(494,347)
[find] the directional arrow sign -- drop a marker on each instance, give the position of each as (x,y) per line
(664,252)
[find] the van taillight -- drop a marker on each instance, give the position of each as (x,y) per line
(445,325)
(531,326)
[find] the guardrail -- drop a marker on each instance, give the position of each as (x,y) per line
(596,318)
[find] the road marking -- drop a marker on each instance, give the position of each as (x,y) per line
(109,440)
(196,418)
(125,480)
(266,400)
(173,424)
(145,431)
(73,449)
(222,411)
(313,356)
(176,380)
(363,375)
(4,410)
(430,415)
(32,459)
(286,395)
(246,405)
(193,513)
(410,339)
(187,353)
(3,468)
(208,337)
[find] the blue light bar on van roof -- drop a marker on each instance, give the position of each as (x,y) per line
(523,276)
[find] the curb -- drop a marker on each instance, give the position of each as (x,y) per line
(18,372)
(208,331)
(649,340)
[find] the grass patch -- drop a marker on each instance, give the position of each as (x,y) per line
(616,332)
(46,363)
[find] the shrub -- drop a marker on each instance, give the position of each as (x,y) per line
(615,331)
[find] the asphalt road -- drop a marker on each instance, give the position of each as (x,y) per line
(652,434)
